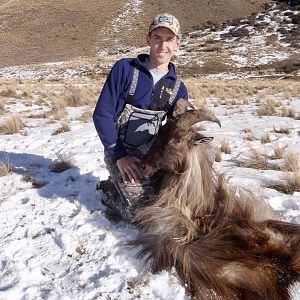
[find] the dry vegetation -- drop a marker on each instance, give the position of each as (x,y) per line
(241,92)
(86,116)
(12,124)
(266,138)
(73,29)
(53,97)
(2,107)
(63,162)
(289,185)
(218,154)
(5,167)
(290,167)
(256,160)
(278,151)
(291,159)
(65,127)
(225,147)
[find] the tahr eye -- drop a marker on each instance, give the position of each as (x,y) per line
(174,141)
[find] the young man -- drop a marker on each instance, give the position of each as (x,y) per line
(136,96)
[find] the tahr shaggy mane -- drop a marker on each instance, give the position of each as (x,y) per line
(224,242)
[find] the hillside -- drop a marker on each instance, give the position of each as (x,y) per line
(261,44)
(48,31)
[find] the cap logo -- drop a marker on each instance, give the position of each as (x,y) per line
(165,19)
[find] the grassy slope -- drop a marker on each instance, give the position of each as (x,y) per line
(45,31)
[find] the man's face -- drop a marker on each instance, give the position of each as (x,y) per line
(163,42)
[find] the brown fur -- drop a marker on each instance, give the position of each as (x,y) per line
(223,241)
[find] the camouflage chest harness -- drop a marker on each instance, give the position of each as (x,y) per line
(137,126)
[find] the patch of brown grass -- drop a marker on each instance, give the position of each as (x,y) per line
(73,98)
(225,147)
(282,130)
(266,138)
(278,151)
(293,181)
(249,136)
(256,160)
(13,124)
(218,154)
(63,162)
(86,116)
(288,112)
(2,107)
(259,90)
(76,98)
(65,127)
(5,167)
(291,160)
(9,93)
(59,109)
(290,185)
(267,109)
(42,115)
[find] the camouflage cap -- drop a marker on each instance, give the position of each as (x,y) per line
(166,20)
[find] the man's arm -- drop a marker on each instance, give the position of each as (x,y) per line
(105,113)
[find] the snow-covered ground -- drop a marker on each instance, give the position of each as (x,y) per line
(57,242)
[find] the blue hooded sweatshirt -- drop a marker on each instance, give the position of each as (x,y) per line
(114,94)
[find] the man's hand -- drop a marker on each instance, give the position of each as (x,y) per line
(129,167)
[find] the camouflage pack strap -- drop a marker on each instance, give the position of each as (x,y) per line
(133,85)
(158,103)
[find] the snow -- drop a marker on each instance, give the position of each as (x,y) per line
(57,242)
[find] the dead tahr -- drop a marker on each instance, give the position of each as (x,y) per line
(224,242)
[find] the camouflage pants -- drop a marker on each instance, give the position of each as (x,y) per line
(124,199)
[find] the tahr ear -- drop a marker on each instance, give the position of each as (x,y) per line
(202,139)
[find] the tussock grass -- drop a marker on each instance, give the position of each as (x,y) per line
(218,154)
(59,109)
(259,160)
(249,136)
(2,107)
(42,115)
(288,112)
(63,162)
(76,98)
(267,109)
(12,124)
(282,130)
(278,151)
(73,98)
(5,167)
(65,127)
(74,91)
(225,147)
(291,160)
(239,91)
(256,160)
(266,138)
(290,184)
(86,116)
(9,93)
